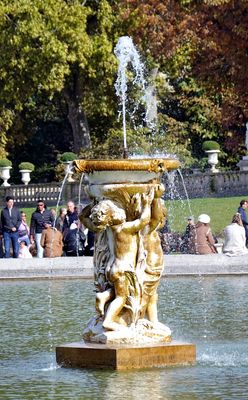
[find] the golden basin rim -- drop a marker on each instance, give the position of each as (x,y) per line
(155,165)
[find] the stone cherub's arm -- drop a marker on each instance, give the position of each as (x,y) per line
(158,210)
(144,219)
(86,221)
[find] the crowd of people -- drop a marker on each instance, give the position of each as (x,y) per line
(199,239)
(48,235)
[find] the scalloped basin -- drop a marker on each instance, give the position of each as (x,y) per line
(118,171)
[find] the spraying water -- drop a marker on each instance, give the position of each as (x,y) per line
(130,65)
(185,191)
(173,193)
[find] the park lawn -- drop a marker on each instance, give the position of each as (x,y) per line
(220,211)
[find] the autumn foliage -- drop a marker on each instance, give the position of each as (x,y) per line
(57,73)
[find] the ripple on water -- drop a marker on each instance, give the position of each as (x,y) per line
(211,312)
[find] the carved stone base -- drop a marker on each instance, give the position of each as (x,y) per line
(143,332)
(94,355)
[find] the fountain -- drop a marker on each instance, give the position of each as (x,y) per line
(125,212)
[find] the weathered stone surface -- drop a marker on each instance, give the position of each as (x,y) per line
(121,357)
(143,332)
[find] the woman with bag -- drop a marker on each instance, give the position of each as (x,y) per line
(23,230)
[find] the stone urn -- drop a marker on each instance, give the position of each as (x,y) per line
(25,175)
(5,175)
(243,164)
(25,169)
(213,159)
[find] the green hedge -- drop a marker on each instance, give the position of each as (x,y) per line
(210,145)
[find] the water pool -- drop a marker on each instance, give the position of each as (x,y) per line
(36,316)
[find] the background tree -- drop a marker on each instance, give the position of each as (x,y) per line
(221,62)
(203,44)
(54,49)
(57,72)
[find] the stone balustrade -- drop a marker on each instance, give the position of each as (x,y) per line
(28,195)
(221,184)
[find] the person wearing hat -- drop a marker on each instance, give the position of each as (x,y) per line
(203,239)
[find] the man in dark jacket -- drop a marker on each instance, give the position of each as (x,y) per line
(241,210)
(74,240)
(70,217)
(10,222)
(41,219)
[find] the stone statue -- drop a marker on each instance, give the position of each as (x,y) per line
(121,270)
(128,263)
(154,257)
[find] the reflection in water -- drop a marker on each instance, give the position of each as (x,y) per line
(211,312)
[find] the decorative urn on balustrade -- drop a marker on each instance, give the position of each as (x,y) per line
(5,167)
(212,149)
(66,159)
(25,169)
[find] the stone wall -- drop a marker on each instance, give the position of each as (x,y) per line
(221,184)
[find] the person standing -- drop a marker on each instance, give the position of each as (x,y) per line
(74,240)
(52,242)
(241,210)
(23,230)
(10,220)
(60,219)
(70,217)
(41,219)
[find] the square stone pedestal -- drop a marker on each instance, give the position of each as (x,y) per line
(121,357)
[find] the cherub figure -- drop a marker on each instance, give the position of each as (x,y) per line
(154,256)
(123,244)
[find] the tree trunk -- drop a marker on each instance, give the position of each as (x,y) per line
(77,117)
(79,124)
